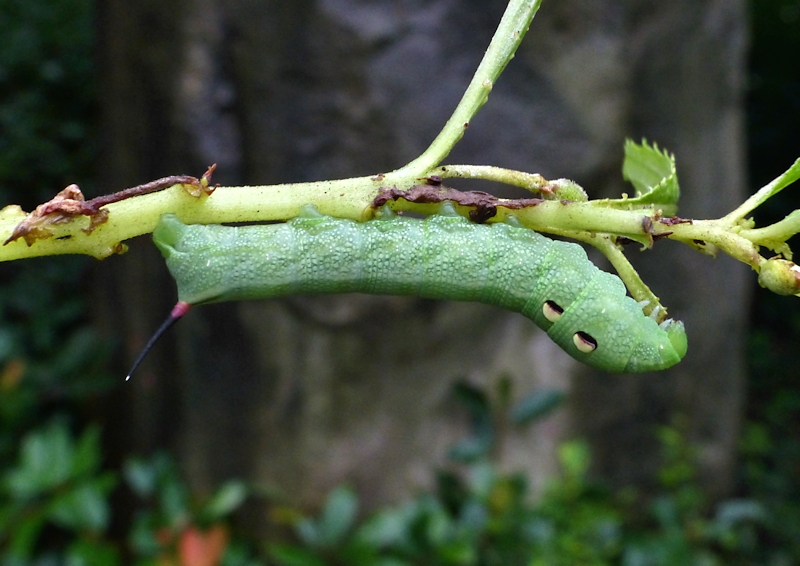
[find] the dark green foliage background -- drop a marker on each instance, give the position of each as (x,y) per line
(771,439)
(47,94)
(47,97)
(55,488)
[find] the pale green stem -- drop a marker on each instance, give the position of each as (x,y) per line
(637,288)
(555,217)
(352,198)
(718,233)
(347,198)
(512,28)
(530,181)
(633,282)
(767,191)
(775,234)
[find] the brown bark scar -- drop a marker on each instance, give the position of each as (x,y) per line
(673,220)
(484,205)
(70,203)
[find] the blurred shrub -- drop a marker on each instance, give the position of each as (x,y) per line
(50,360)
(479,516)
(56,486)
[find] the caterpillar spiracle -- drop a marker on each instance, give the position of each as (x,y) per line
(583,309)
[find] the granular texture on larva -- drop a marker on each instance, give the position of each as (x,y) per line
(444,256)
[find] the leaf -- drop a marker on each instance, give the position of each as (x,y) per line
(79,351)
(503,390)
(23,540)
(574,458)
(92,553)
(173,497)
(387,527)
(653,175)
(389,561)
(45,461)
(482,479)
(471,449)
(458,552)
(338,515)
(86,459)
(146,477)
(158,477)
(735,511)
(307,531)
(287,555)
(451,491)
(477,404)
(143,536)
(473,399)
(83,507)
(141,476)
(435,523)
(537,406)
(227,499)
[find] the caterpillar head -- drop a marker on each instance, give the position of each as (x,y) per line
(608,330)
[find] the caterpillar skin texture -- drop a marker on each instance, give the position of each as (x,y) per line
(583,309)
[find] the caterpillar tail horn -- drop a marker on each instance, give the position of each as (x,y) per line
(180,309)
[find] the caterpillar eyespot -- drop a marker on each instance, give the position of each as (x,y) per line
(584,342)
(551,311)
(584,310)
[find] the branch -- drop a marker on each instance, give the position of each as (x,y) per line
(70,225)
(512,28)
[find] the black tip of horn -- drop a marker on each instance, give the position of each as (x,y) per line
(178,311)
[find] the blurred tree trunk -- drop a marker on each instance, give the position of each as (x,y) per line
(305,393)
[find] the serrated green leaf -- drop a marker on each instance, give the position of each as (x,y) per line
(536,406)
(645,167)
(652,173)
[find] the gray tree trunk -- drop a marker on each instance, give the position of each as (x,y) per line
(305,393)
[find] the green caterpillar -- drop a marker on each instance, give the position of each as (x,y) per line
(583,309)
